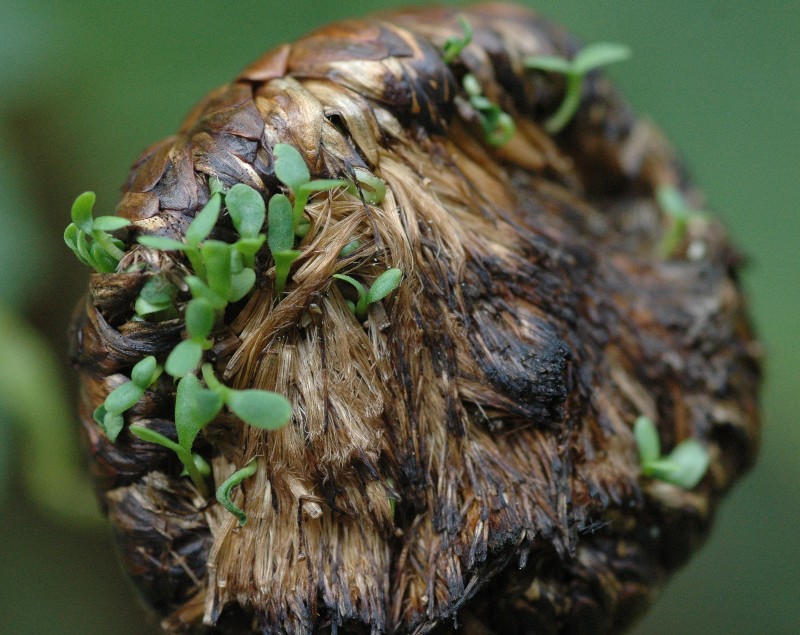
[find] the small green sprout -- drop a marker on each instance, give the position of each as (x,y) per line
(684,466)
(372,188)
(281,239)
(196,407)
(200,317)
(350,248)
(498,126)
(587,59)
(224,490)
(109,415)
(104,251)
(156,300)
(454,45)
(293,172)
(674,205)
(384,284)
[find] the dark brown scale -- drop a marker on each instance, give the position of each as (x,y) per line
(491,397)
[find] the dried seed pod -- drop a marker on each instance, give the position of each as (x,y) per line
(470,445)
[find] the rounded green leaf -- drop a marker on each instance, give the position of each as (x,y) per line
(110,423)
(145,372)
(200,317)
(260,408)
(158,291)
(280,231)
(646,435)
(162,243)
(241,284)
(247,210)
(71,234)
(82,211)
(471,85)
(599,54)
(387,282)
(109,223)
(500,130)
(290,168)
(195,407)
(350,248)
(184,358)
(101,260)
(123,398)
(372,188)
(204,221)
(691,462)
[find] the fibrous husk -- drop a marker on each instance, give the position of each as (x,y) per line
(466,455)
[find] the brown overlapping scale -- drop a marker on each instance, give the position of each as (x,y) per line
(466,456)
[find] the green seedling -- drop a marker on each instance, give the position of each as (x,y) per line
(498,126)
(196,406)
(674,205)
(103,252)
(587,59)
(261,409)
(109,415)
(684,466)
(293,172)
(453,46)
(200,317)
(371,187)
(224,490)
(281,239)
(197,232)
(156,300)
(384,284)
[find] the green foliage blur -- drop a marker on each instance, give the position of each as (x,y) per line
(86,85)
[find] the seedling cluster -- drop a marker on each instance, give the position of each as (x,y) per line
(587,59)
(684,466)
(89,237)
(222,273)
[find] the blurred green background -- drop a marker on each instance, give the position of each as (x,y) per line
(85,86)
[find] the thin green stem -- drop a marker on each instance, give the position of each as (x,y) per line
(568,107)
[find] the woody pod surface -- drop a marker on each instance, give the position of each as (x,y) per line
(464,457)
